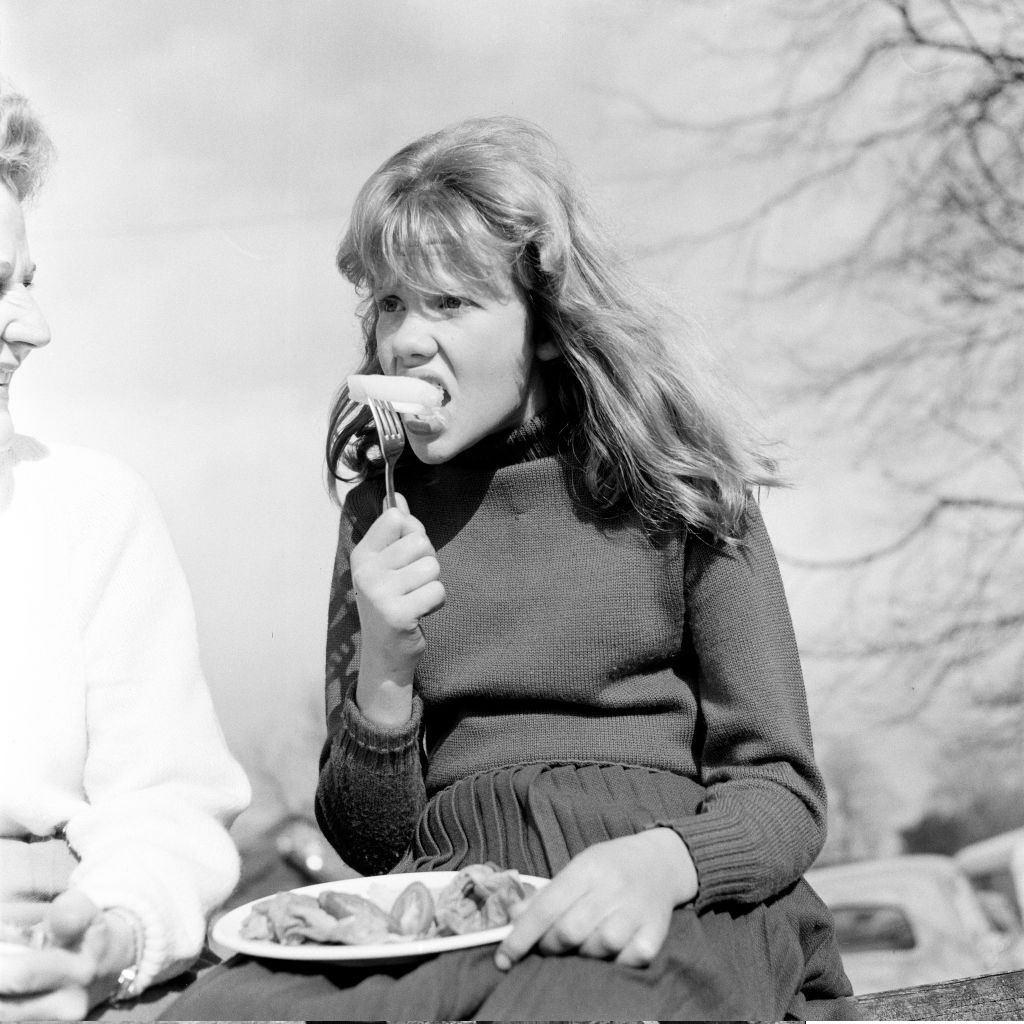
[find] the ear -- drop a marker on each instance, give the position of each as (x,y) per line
(546,351)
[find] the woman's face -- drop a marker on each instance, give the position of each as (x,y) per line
(22,324)
(478,348)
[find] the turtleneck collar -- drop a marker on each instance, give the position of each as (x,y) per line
(537,438)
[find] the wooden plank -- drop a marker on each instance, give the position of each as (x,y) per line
(987,997)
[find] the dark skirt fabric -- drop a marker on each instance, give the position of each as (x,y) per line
(769,961)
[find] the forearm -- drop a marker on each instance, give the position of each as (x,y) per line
(749,842)
(383,692)
(166,862)
(371,791)
(762,820)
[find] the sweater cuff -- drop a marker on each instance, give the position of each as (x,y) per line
(159,960)
(728,860)
(369,743)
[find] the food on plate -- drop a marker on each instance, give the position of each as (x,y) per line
(480,896)
(407,394)
(413,912)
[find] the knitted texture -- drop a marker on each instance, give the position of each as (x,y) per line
(567,638)
(108,733)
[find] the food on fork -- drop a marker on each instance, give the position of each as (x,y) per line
(479,897)
(408,395)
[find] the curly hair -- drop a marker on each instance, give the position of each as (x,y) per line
(648,428)
(25,149)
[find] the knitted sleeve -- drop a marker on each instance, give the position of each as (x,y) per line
(762,821)
(371,790)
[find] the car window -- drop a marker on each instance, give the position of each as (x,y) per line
(866,927)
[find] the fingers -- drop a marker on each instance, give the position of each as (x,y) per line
(395,558)
(589,930)
(391,524)
(407,549)
(400,503)
(35,971)
(22,913)
(614,900)
(644,944)
(536,918)
(69,918)
(64,1004)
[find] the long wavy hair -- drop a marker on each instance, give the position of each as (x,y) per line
(647,428)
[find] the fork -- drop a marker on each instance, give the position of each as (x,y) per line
(392,441)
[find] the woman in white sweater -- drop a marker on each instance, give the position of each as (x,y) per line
(116,786)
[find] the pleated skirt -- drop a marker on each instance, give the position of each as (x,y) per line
(769,961)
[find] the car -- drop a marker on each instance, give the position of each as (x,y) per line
(912,920)
(995,867)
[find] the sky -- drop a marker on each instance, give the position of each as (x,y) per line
(208,155)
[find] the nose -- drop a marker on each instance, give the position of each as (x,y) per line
(22,324)
(412,341)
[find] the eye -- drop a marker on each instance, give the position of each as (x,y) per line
(451,302)
(389,304)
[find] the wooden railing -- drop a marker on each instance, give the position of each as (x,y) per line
(988,997)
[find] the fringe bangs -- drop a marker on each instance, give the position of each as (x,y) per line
(432,240)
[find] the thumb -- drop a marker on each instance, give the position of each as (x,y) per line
(400,503)
(69,918)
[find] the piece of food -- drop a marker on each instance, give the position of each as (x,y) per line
(478,897)
(345,904)
(412,914)
(407,394)
(292,918)
(360,920)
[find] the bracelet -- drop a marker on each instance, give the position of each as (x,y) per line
(126,979)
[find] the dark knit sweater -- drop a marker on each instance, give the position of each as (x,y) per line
(570,639)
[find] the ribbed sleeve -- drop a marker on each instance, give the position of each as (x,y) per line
(762,821)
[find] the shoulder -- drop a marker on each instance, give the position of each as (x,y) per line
(96,477)
(749,553)
(93,494)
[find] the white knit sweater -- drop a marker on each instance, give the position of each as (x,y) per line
(107,730)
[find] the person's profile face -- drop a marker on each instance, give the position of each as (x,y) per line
(22,324)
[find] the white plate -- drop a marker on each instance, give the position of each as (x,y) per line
(383,890)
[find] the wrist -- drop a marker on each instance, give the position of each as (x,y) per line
(682,872)
(123,955)
(384,694)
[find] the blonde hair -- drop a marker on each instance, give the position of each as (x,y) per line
(646,429)
(25,149)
